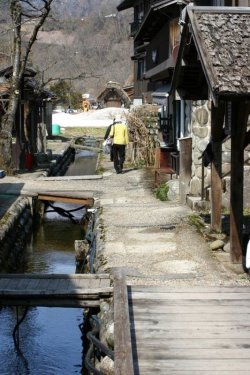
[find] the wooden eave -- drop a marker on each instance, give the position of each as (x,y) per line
(29,87)
(7,72)
(141,47)
(204,55)
(161,71)
(126,4)
(138,56)
(207,70)
(204,66)
(180,77)
(158,14)
(140,51)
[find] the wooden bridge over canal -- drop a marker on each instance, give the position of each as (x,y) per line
(67,197)
(158,330)
(57,290)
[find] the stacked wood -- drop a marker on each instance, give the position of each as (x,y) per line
(143,133)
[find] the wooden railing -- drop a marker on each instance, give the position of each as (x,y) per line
(123,346)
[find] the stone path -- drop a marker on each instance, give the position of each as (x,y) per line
(151,240)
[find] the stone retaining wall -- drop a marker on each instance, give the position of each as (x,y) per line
(106,314)
(15,229)
(90,258)
(201,133)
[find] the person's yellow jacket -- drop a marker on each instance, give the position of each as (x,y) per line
(119,133)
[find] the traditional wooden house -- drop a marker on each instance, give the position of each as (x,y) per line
(156,33)
(206,98)
(33,118)
(156,30)
(113,96)
(220,59)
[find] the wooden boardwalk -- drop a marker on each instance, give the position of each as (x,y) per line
(194,331)
(57,290)
(171,331)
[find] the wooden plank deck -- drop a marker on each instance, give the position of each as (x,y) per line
(57,290)
(195,331)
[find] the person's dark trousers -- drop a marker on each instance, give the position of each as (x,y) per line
(111,153)
(119,157)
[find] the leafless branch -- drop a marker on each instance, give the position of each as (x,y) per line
(80,76)
(45,12)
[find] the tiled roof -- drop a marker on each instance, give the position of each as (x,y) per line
(223,40)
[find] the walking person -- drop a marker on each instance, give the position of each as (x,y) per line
(119,133)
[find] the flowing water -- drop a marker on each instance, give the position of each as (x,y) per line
(77,168)
(49,338)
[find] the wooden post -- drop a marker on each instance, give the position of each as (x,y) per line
(185,167)
(202,181)
(217,119)
(240,112)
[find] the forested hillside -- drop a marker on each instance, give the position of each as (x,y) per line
(82,8)
(87,38)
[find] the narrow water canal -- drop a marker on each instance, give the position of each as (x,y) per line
(50,338)
(78,168)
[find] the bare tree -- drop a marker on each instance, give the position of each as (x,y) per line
(21,12)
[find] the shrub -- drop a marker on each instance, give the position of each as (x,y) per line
(162,192)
